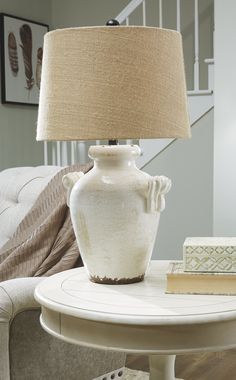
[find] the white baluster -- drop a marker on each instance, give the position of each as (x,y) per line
(160,14)
(58,153)
(82,152)
(64,154)
(196,43)
(54,153)
(73,152)
(210,63)
(128,10)
(144,13)
(178,27)
(45,152)
(129,142)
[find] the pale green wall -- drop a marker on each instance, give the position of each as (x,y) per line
(225,120)
(82,13)
(189,204)
(18,123)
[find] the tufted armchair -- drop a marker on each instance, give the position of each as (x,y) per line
(26,351)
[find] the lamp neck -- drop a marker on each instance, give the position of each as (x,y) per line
(114,164)
(114,156)
(113,142)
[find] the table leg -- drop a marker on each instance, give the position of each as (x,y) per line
(162,367)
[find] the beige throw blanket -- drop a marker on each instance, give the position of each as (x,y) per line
(44,242)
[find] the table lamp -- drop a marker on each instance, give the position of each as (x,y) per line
(123,82)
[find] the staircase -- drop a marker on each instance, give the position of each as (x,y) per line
(199,104)
(200,100)
(200,90)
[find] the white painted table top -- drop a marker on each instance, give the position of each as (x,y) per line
(143,303)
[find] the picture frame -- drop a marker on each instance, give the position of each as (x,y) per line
(21,44)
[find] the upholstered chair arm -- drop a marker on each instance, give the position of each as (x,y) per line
(17,295)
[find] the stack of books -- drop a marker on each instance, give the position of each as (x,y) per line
(208,267)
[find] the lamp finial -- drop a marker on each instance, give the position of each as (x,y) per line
(112,22)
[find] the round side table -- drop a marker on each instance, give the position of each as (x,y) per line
(136,318)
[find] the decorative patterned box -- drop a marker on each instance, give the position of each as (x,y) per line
(209,254)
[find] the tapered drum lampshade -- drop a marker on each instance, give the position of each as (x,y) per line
(114,83)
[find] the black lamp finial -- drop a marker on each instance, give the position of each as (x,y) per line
(112,22)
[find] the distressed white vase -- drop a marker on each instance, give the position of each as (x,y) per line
(115,210)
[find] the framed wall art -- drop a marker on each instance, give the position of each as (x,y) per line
(21,59)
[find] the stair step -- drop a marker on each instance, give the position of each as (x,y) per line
(198,107)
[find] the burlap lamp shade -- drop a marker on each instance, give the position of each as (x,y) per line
(112,83)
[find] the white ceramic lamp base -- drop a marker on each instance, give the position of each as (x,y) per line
(115,210)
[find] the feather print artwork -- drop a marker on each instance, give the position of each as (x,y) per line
(39,66)
(26,40)
(12,54)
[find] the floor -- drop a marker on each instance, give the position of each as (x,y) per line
(130,374)
(206,366)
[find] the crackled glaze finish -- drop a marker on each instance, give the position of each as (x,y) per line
(115,210)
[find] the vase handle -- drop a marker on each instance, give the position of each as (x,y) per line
(158,186)
(69,180)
